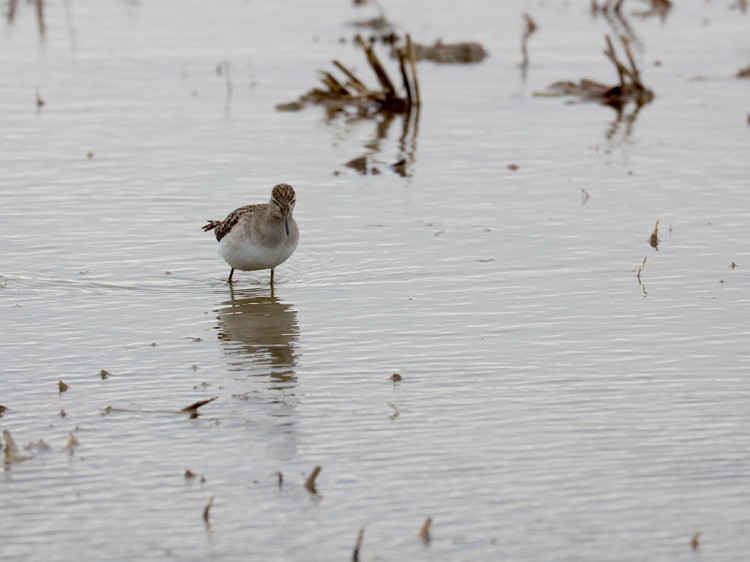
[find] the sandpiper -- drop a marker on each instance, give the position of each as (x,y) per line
(258,236)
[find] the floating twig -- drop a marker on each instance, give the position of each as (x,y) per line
(310,482)
(193,408)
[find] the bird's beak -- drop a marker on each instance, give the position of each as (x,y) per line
(286,224)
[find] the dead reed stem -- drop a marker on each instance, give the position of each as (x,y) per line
(358,544)
(310,482)
(413,65)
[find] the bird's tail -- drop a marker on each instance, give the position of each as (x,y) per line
(210,225)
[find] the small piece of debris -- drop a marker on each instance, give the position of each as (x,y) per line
(207,510)
(486,260)
(512,167)
(62,387)
(190,474)
(193,408)
(71,442)
(280,478)
(310,482)
(424,533)
(695,540)
(196,340)
(359,164)
(104,374)
(62,413)
(584,196)
(2,410)
(39,100)
(654,238)
(467,52)
(40,445)
(395,377)
(358,544)
(290,106)
(744,72)
(733,265)
(400,167)
(396,413)
(195,367)
(12,454)
(89,155)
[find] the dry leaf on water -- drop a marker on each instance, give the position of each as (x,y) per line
(104,374)
(62,387)
(395,377)
(190,474)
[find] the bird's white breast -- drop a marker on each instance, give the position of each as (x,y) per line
(242,253)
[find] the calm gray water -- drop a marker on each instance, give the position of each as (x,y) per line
(551,408)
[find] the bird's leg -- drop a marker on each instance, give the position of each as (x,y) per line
(229,280)
(272,278)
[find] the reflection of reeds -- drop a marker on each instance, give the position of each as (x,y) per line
(529,29)
(10,14)
(358,544)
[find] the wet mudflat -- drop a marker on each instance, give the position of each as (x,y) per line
(570,387)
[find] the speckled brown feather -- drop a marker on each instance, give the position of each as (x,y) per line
(222,228)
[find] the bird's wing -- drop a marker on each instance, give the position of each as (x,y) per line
(222,228)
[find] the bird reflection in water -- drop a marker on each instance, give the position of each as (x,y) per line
(259,335)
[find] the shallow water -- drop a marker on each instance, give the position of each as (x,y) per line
(552,407)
